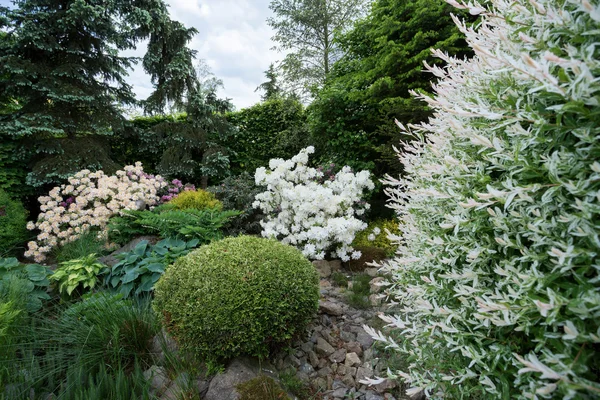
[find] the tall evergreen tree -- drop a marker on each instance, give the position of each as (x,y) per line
(63,61)
(271,87)
(352,117)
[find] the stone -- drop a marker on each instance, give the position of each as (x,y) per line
(327,336)
(202,386)
(157,376)
(292,360)
(324,348)
(341,371)
(326,320)
(364,339)
(354,347)
(371,272)
(368,355)
(312,358)
(223,386)
(371,395)
(388,396)
(340,393)
(324,372)
(319,384)
(337,384)
(347,336)
(375,284)
(338,356)
(419,396)
(375,300)
(348,380)
(306,347)
(111,259)
(162,343)
(323,268)
(334,367)
(351,360)
(323,363)
(330,308)
(306,368)
(364,372)
(385,386)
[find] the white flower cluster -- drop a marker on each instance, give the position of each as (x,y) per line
(497,277)
(89,200)
(312,216)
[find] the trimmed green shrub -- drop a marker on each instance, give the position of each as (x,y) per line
(497,275)
(198,199)
(13,224)
(240,295)
(238,193)
(139,269)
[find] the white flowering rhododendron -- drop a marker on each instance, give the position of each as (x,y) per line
(314,216)
(497,278)
(87,201)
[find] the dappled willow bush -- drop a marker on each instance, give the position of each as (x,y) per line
(497,275)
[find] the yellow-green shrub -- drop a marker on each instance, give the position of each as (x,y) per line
(380,240)
(198,199)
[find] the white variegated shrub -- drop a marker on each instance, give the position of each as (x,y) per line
(496,278)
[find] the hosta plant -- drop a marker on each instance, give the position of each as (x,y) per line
(497,279)
(139,269)
(82,271)
(313,215)
(32,279)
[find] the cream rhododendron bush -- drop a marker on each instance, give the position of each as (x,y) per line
(89,200)
(314,214)
(497,277)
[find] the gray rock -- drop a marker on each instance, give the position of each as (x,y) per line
(306,347)
(337,384)
(330,308)
(364,339)
(354,347)
(202,386)
(371,395)
(388,396)
(418,396)
(351,360)
(347,336)
(338,356)
(312,358)
(306,368)
(319,384)
(385,386)
(324,348)
(374,284)
(335,265)
(223,386)
(368,355)
(340,393)
(371,272)
(324,372)
(348,380)
(375,300)
(364,372)
(323,268)
(341,370)
(157,376)
(163,343)
(327,336)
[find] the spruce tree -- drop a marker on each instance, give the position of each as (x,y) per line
(62,60)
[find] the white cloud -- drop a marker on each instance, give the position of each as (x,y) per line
(233,38)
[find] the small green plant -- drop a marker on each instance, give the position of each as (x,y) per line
(294,385)
(243,295)
(339,279)
(13,222)
(84,245)
(198,199)
(80,272)
(167,222)
(34,279)
(261,388)
(376,235)
(358,296)
(139,269)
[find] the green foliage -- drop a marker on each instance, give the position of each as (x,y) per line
(261,388)
(204,225)
(271,88)
(240,295)
(370,238)
(13,221)
(139,269)
(198,199)
(103,329)
(358,295)
(352,117)
(31,278)
(75,273)
(276,128)
(65,117)
(84,245)
(238,193)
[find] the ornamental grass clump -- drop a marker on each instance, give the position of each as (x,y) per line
(316,217)
(243,295)
(87,202)
(497,274)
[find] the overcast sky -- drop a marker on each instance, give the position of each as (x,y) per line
(234,39)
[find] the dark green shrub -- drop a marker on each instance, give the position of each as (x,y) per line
(139,269)
(167,222)
(13,222)
(240,295)
(238,193)
(32,277)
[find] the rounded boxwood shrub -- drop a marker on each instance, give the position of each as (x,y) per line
(240,295)
(13,222)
